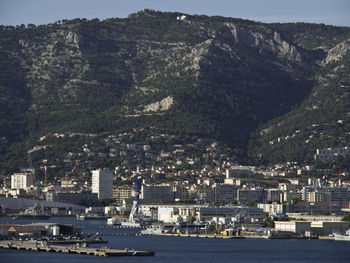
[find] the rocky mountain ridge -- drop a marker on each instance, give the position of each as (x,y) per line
(216,77)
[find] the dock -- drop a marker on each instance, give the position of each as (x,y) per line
(199,235)
(72,249)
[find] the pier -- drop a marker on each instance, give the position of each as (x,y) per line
(199,235)
(72,249)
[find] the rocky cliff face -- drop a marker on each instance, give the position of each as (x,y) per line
(205,76)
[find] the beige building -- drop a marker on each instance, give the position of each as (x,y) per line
(122,192)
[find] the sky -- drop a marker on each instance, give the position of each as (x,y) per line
(330,12)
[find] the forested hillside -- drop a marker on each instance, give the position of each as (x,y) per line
(273,92)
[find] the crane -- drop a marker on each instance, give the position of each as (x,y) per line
(45,167)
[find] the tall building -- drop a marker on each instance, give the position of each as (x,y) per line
(21,180)
(102,183)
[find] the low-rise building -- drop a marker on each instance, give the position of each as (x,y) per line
(327,228)
(296,227)
(317,208)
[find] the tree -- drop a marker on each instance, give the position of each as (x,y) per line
(107,201)
(89,202)
(346,217)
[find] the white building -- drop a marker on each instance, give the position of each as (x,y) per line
(21,180)
(102,183)
(297,227)
(274,208)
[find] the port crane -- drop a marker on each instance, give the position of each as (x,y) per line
(45,167)
(135,206)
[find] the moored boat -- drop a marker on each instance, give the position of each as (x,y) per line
(153,230)
(340,237)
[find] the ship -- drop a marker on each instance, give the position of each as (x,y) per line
(153,231)
(91,217)
(30,216)
(113,221)
(36,212)
(340,237)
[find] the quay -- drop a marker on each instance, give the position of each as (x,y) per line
(75,241)
(198,235)
(72,249)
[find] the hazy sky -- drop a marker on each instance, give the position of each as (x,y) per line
(333,12)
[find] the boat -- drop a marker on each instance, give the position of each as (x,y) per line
(131,224)
(90,217)
(339,237)
(153,231)
(113,221)
(36,212)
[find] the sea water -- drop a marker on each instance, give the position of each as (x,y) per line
(180,249)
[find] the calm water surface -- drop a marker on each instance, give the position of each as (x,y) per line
(175,249)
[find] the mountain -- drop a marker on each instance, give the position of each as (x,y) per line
(245,83)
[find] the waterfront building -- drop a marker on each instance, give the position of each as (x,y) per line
(328,228)
(102,183)
(296,227)
(317,208)
(21,180)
